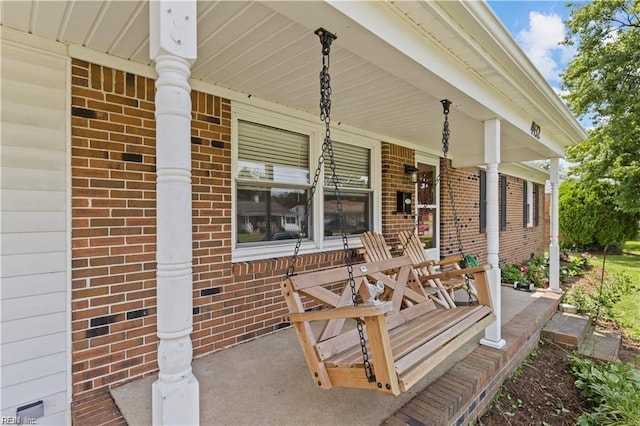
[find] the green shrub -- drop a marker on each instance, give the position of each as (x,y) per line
(512,274)
(589,217)
(613,387)
(607,298)
(532,271)
(612,290)
(577,297)
(535,270)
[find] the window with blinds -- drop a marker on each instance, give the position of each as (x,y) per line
(352,174)
(272,186)
(273,155)
(352,166)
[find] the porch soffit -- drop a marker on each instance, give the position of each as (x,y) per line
(268,50)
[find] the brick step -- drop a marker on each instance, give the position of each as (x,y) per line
(600,344)
(577,332)
(566,329)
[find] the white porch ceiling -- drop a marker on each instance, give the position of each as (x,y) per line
(268,50)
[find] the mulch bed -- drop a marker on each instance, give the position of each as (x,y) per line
(541,391)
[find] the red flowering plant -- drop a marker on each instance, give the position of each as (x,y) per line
(571,264)
(532,271)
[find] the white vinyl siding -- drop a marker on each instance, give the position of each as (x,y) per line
(34,245)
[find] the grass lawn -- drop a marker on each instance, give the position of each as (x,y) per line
(628,261)
(627,309)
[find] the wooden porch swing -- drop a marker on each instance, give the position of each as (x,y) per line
(395,342)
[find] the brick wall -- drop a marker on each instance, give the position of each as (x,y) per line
(517,242)
(394,179)
(113,226)
(465,184)
(114,234)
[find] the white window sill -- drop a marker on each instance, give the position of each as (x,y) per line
(285,250)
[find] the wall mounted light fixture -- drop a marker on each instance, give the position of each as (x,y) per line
(413,171)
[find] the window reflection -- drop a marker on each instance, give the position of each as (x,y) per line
(356,209)
(426,226)
(270,214)
(426,184)
(427,208)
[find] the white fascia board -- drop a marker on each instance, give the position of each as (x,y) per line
(519,67)
(388,24)
(525,171)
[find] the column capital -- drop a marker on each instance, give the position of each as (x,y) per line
(554,170)
(172,29)
(492,141)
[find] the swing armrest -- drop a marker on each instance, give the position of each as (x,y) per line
(361,311)
(480,281)
(455,273)
(443,262)
(449,260)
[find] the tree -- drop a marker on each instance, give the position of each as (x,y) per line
(603,83)
(589,218)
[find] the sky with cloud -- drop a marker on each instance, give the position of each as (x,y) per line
(538,27)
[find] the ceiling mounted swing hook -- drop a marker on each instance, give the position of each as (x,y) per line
(326,38)
(446,103)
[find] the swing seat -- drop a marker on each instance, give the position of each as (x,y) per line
(407,336)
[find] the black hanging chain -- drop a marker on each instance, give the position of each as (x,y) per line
(446,133)
(325,113)
(309,206)
(445,151)
(326,38)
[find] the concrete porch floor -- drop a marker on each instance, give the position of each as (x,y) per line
(266,381)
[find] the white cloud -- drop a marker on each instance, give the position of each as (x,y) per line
(541,40)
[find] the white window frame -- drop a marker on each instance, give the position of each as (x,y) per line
(315,130)
(529,201)
(434,252)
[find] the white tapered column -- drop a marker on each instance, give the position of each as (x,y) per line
(493,333)
(175,395)
(554,246)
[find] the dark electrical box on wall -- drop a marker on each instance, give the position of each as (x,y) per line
(404,203)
